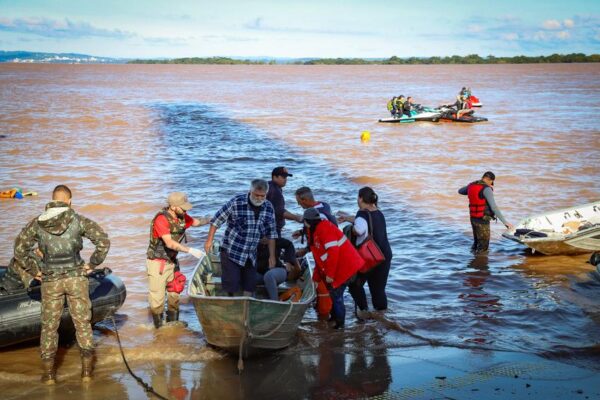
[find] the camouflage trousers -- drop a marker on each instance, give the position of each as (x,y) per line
(481,237)
(161,272)
(76,290)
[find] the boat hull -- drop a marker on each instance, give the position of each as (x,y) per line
(256,325)
(224,323)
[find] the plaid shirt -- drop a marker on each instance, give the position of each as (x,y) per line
(244,230)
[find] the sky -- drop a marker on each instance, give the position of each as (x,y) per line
(298,29)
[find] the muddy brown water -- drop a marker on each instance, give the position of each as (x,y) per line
(124,136)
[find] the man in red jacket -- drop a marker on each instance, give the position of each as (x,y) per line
(336,260)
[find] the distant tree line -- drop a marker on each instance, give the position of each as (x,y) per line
(470,59)
(202,60)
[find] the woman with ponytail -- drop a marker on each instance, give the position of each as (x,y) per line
(377,277)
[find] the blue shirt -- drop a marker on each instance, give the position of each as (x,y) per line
(244,229)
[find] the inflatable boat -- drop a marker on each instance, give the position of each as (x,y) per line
(20,308)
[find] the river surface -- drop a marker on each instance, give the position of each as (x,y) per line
(123,136)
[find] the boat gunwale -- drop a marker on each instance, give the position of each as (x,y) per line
(195,296)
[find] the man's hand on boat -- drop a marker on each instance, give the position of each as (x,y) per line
(509,226)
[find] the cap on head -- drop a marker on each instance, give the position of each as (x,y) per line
(490,175)
(280,171)
(311,214)
(179,199)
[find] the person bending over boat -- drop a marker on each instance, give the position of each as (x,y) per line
(369,213)
(482,209)
(59,233)
(167,231)
(306,199)
(287,266)
(336,260)
(249,217)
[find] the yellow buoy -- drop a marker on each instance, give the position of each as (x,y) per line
(365,136)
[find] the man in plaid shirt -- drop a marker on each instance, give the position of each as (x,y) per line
(250,218)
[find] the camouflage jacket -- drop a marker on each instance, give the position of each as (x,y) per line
(58,233)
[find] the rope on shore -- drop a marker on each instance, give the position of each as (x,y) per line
(146,386)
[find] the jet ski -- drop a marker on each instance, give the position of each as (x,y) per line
(449,115)
(20,307)
(475,102)
(419,114)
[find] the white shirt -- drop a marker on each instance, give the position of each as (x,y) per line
(361,227)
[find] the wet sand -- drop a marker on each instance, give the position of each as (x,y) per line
(124,136)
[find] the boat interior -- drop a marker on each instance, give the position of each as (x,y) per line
(561,223)
(207,280)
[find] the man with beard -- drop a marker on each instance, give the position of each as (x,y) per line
(167,231)
(249,217)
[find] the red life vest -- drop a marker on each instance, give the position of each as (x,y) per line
(477,202)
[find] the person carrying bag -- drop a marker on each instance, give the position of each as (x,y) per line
(370,229)
(369,250)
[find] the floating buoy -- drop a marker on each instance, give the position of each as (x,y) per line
(365,136)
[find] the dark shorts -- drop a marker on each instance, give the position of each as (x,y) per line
(235,277)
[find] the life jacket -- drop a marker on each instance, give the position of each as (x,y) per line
(157,248)
(61,252)
(478,206)
(390,104)
(400,104)
(292,294)
(324,302)
(334,255)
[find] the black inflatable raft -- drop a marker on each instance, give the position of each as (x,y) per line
(20,308)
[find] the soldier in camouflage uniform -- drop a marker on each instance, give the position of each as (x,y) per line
(58,233)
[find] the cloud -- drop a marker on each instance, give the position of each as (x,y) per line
(510,36)
(59,28)
(258,25)
(552,24)
(169,41)
(580,33)
(228,38)
(474,28)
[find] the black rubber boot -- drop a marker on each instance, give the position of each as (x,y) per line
(172,316)
(158,320)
